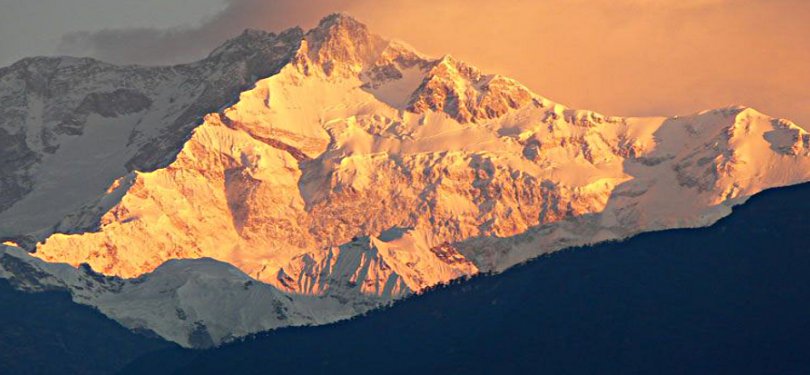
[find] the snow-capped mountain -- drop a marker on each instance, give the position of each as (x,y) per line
(71,126)
(350,171)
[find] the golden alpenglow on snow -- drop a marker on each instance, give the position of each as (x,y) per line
(307,177)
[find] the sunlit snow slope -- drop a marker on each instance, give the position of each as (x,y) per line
(362,171)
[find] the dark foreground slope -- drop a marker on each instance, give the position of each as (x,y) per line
(732,298)
(46,333)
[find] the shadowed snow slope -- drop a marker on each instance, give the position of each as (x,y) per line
(359,171)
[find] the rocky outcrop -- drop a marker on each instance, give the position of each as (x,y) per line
(467,95)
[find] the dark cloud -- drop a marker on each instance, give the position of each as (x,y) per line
(183,44)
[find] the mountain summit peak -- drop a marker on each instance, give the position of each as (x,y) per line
(341,40)
(339,19)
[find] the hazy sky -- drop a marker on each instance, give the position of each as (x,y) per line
(620,57)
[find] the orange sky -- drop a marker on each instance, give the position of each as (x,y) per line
(620,57)
(626,57)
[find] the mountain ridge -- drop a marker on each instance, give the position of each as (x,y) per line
(45,111)
(359,172)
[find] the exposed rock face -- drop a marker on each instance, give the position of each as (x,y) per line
(466,94)
(341,45)
(359,171)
